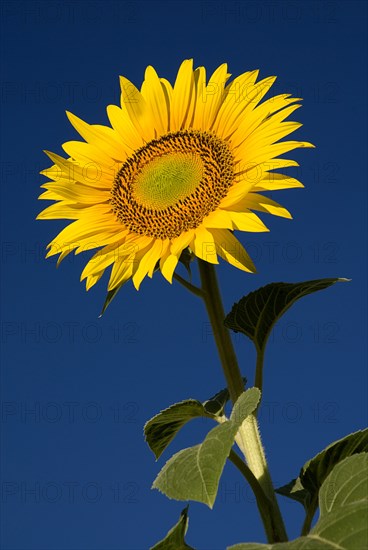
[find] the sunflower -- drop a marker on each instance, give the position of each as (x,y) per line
(180,168)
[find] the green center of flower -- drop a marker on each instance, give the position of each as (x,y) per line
(168,179)
(171,184)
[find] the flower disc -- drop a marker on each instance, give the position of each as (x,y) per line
(170,185)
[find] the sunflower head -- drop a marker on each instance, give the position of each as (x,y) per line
(179,170)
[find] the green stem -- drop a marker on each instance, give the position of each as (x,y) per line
(249,441)
(216,314)
(264,505)
(194,289)
(248,437)
(309,516)
(258,382)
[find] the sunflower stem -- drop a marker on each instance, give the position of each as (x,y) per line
(263,503)
(309,517)
(248,437)
(215,310)
(258,382)
(189,286)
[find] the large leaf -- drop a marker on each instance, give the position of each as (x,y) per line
(343,502)
(255,314)
(194,473)
(305,488)
(174,539)
(161,429)
(347,484)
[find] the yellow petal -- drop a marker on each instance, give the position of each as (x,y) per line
(62,256)
(238,190)
(135,243)
(263,169)
(261,115)
(165,248)
(86,153)
(273,105)
(203,245)
(248,221)
(219,219)
(129,135)
(122,270)
(249,101)
(147,263)
(214,95)
(233,103)
(154,95)
(230,249)
(135,105)
(178,244)
(259,202)
(272,182)
(102,259)
(270,151)
(268,131)
(269,135)
(74,192)
(168,93)
(183,97)
(54,172)
(93,175)
(103,238)
(93,279)
(104,137)
(60,211)
(168,264)
(64,210)
(200,88)
(79,233)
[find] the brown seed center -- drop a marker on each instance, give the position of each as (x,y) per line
(171,184)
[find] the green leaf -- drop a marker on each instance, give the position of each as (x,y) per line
(174,539)
(295,490)
(255,314)
(245,404)
(194,473)
(306,487)
(216,404)
(343,503)
(346,484)
(162,428)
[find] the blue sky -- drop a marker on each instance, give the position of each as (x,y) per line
(76,390)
